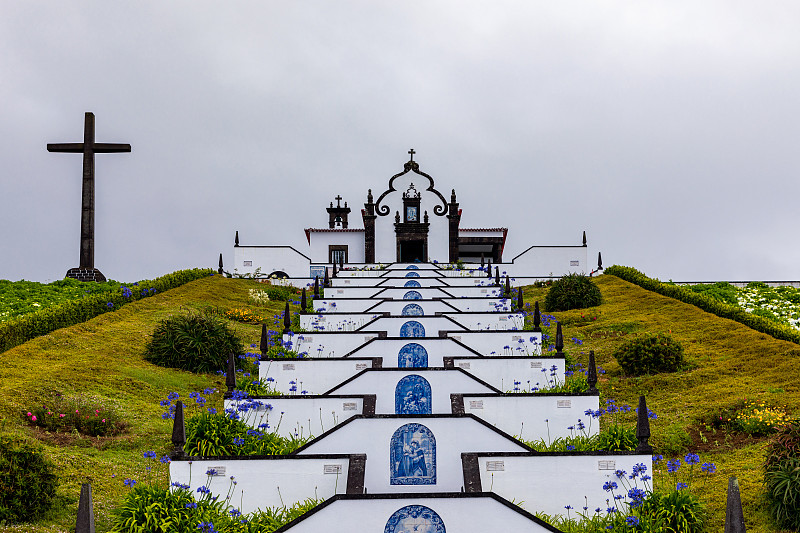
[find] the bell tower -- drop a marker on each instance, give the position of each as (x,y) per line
(337,216)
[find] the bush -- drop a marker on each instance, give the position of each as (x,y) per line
(783,493)
(782,476)
(27,482)
(721,291)
(710,305)
(677,510)
(88,416)
(784,444)
(650,354)
(17,331)
(573,291)
(617,438)
(283,293)
(193,342)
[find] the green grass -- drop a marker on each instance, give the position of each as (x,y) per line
(728,361)
(103,357)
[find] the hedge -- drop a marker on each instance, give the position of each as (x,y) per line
(20,330)
(706,303)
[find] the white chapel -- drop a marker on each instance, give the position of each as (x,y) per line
(411,221)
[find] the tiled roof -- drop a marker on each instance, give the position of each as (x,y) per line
(331,230)
(482,229)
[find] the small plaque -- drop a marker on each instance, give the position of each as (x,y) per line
(574,263)
(465,366)
(564,404)
(248,263)
(495,466)
(536,364)
(516,338)
(361,366)
(332,469)
(317,272)
(219,471)
(339,291)
(349,406)
(347,282)
(288,366)
(308,339)
(476,404)
(456,337)
(503,319)
(369,338)
(322,319)
(606,465)
(484,291)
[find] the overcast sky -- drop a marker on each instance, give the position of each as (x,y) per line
(668,131)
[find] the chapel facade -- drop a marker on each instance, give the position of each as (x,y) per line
(410,221)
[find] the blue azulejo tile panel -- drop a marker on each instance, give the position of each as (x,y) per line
(412,396)
(412,355)
(412,310)
(411,283)
(412,275)
(412,328)
(412,295)
(416,518)
(413,456)
(412,267)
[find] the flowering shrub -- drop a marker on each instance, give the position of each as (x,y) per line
(18,298)
(283,293)
(706,303)
(782,476)
(240,314)
(747,416)
(243,429)
(27,482)
(779,304)
(193,342)
(757,418)
(633,505)
(217,434)
(74,311)
(88,416)
(258,296)
(615,435)
(150,506)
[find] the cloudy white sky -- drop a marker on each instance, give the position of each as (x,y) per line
(667,130)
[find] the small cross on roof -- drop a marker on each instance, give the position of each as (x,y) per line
(411,153)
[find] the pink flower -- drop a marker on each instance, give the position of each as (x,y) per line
(29,413)
(76,410)
(62,415)
(34,418)
(104,420)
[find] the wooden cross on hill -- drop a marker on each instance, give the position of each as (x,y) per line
(86,270)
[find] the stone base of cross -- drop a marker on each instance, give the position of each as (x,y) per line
(85,274)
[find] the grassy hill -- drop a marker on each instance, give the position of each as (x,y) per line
(103,358)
